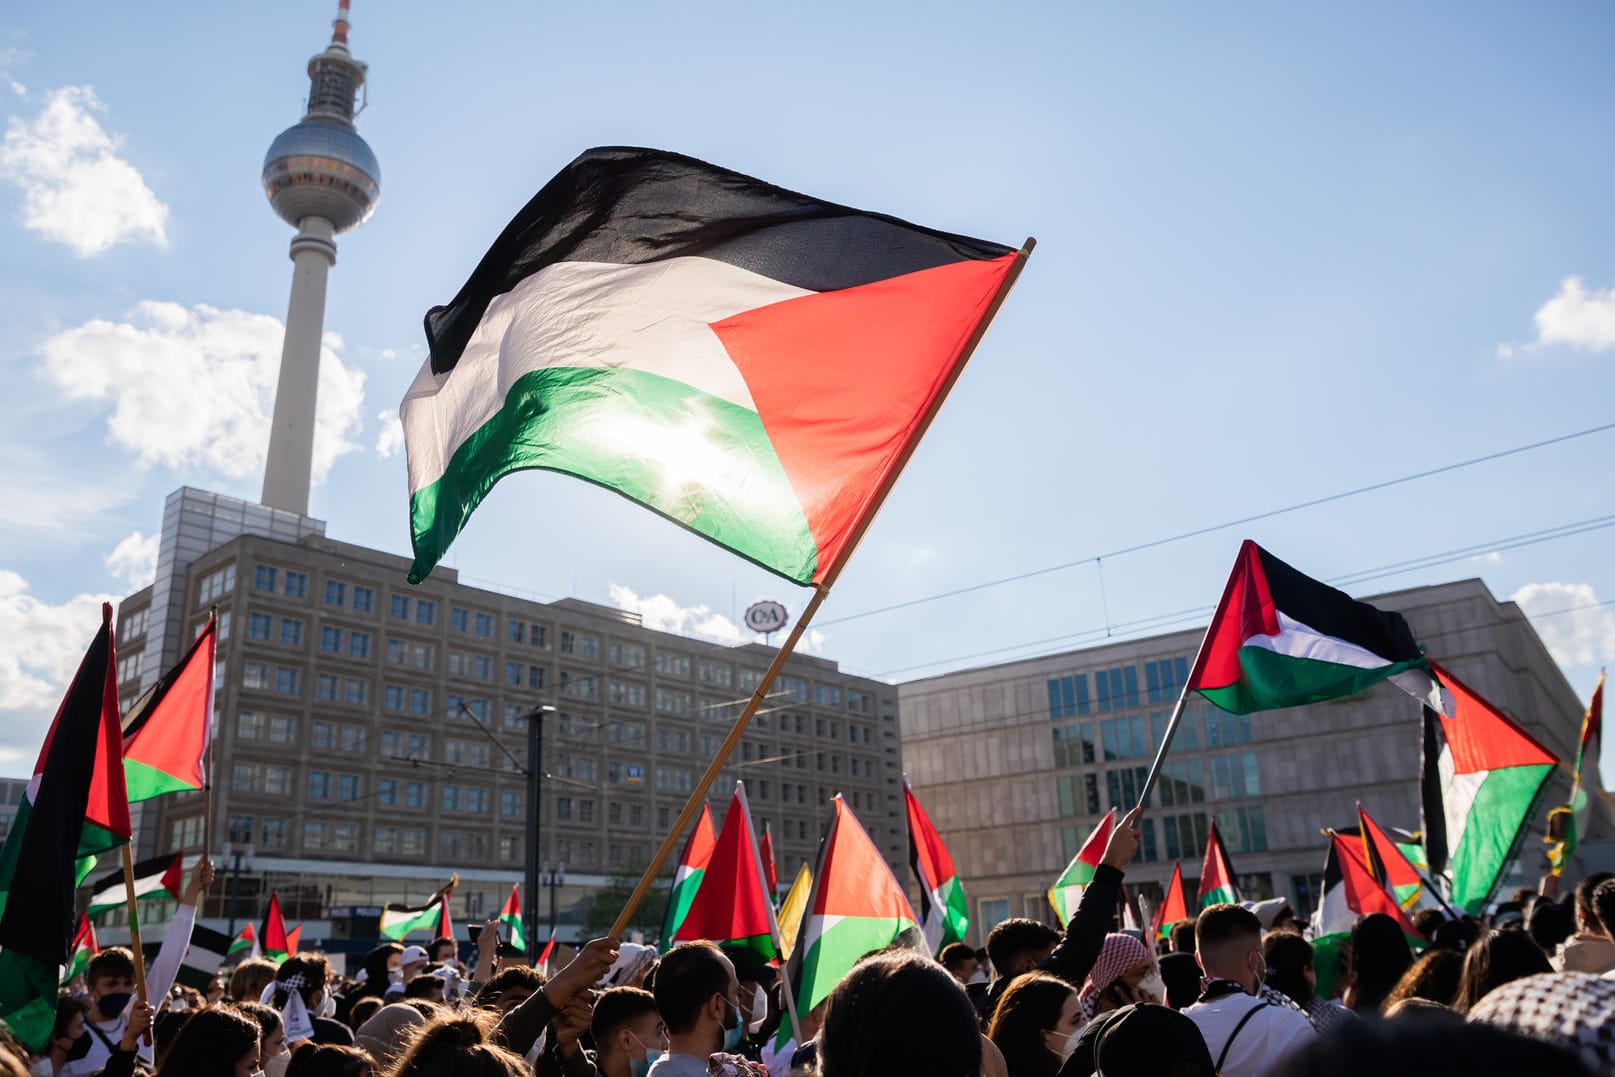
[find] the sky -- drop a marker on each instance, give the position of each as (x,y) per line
(1284,252)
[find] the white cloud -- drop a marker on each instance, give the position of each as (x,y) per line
(390,442)
(44,643)
(76,189)
(196,386)
(133,562)
(1582,636)
(49,500)
(1577,317)
(664,614)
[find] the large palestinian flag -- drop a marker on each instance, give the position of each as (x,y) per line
(687,876)
(1482,778)
(73,807)
(1281,639)
(944,909)
(1066,893)
(856,906)
(158,877)
(747,361)
(165,733)
(1217,882)
(731,906)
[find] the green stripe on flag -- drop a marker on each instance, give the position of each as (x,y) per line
(146,781)
(698,460)
(1493,826)
(396,925)
(956,917)
(837,949)
(678,906)
(1269,680)
(28,997)
(1223,895)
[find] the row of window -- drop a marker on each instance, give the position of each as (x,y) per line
(1116,689)
(1075,743)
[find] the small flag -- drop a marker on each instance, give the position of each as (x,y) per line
(856,906)
(208,953)
(1387,863)
(792,908)
(1349,891)
(84,948)
(1585,781)
(248,941)
(165,734)
(275,945)
(544,957)
(744,360)
(445,923)
(687,877)
(730,907)
(770,872)
(294,939)
(398,921)
(1482,777)
(157,877)
(1066,893)
(511,917)
(1281,639)
(1129,917)
(1174,906)
(1217,885)
(944,909)
(75,806)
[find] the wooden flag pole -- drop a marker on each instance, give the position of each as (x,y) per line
(699,793)
(134,923)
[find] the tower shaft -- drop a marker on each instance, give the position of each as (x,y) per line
(289,467)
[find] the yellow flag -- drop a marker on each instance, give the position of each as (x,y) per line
(791,909)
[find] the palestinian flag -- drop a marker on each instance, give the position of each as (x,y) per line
(1482,778)
(1066,893)
(1217,885)
(1130,921)
(730,907)
(1174,906)
(84,948)
(399,921)
(1349,891)
(1584,782)
(749,362)
(770,870)
(276,947)
(792,908)
(687,877)
(294,939)
(944,909)
(511,917)
(544,957)
(445,922)
(1412,847)
(1281,639)
(158,877)
(856,906)
(206,955)
(246,941)
(1389,867)
(73,806)
(166,732)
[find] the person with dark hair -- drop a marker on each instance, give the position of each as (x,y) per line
(330,1060)
(1142,1040)
(697,994)
(1499,958)
(1124,973)
(364,1010)
(564,997)
(1549,925)
(300,993)
(1591,948)
(1379,956)
(1433,977)
(959,960)
(382,966)
(1290,973)
(443,950)
(896,1013)
(1247,1035)
(271,1033)
(1070,957)
(426,985)
(1181,974)
(1182,936)
(629,1034)
(1036,1025)
(458,1046)
(1603,904)
(1425,922)
(1419,1048)
(214,1043)
(68,1039)
(1455,935)
(509,989)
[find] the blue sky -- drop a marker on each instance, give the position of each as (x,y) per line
(1282,253)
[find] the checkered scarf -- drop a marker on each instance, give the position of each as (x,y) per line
(1117,954)
(1575,1010)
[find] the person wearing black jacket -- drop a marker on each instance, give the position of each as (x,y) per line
(1073,956)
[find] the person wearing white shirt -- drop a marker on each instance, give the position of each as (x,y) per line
(1247,1036)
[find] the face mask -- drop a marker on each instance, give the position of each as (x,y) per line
(1068,1045)
(759,1010)
(327,1005)
(641,1066)
(110,1006)
(1154,985)
(731,1036)
(1261,978)
(80,1048)
(395,977)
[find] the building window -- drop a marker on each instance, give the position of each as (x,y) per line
(215,585)
(1244,830)
(628,655)
(358,692)
(717,674)
(476,799)
(425,611)
(1163,679)
(260,626)
(399,607)
(420,701)
(460,620)
(273,834)
(414,794)
(286,680)
(325,687)
(336,592)
(296,584)
(451,798)
(393,697)
(1068,696)
(515,631)
(1183,781)
(319,785)
(482,667)
(510,803)
(1116,689)
(347,787)
(359,644)
(1235,776)
(364,599)
(387,791)
(331,640)
(1224,730)
(513,673)
(263,578)
(254,675)
(994,911)
(316,834)
(482,625)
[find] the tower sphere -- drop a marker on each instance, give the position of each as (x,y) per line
(322,168)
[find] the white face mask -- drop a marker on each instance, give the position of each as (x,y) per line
(759,1010)
(1154,985)
(327,1005)
(1068,1046)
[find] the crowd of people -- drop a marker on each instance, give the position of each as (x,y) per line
(1237,991)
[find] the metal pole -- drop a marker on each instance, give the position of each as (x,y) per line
(235,890)
(554,880)
(535,769)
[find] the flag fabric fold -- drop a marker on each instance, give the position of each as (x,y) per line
(398,921)
(1585,783)
(1282,639)
(687,876)
(744,360)
(770,869)
(84,947)
(156,877)
(730,907)
(791,909)
(1218,883)
(246,941)
(208,952)
(1387,864)
(1482,778)
(165,734)
(74,806)
(275,945)
(944,909)
(1066,893)
(1174,906)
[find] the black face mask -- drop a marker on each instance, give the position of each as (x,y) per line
(110,1006)
(80,1048)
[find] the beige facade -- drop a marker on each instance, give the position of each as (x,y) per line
(1016,763)
(370,735)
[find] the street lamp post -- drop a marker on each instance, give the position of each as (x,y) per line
(535,771)
(554,877)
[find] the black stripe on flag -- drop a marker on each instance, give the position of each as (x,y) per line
(203,958)
(628,206)
(1335,613)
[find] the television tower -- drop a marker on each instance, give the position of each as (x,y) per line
(322,179)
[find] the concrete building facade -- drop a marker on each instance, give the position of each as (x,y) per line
(1016,763)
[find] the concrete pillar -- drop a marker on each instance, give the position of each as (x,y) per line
(291,433)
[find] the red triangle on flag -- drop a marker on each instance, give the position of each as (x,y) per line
(274,937)
(1480,736)
(1174,906)
(730,905)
